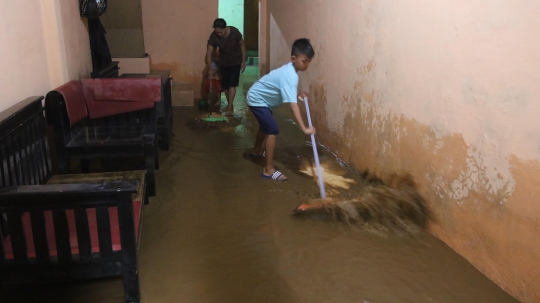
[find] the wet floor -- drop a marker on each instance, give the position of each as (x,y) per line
(217,232)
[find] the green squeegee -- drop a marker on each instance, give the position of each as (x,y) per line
(215,119)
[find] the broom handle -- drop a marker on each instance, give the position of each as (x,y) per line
(315,154)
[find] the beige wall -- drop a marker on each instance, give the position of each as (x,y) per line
(23,59)
(175,36)
(76,42)
(447,90)
(41,48)
(123,22)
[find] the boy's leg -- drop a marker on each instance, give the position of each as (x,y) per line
(259,139)
(268,129)
(269,154)
(269,169)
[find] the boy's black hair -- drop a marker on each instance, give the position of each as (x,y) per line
(302,47)
(220,23)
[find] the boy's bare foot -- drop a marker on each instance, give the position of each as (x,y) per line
(229,113)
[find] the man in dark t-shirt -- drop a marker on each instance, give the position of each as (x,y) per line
(232,57)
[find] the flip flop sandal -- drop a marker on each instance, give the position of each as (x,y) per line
(257,156)
(275,176)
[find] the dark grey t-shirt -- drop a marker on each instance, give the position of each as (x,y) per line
(230,52)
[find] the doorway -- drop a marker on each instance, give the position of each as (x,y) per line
(244,15)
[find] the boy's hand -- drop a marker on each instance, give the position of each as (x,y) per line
(301,96)
(309,131)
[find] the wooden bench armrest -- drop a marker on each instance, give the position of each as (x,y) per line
(84,192)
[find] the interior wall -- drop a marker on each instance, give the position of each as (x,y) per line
(264,38)
(24,57)
(76,43)
(251,24)
(446,90)
(40,55)
(124,26)
(176,35)
(233,12)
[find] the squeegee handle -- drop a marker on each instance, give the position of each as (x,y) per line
(315,154)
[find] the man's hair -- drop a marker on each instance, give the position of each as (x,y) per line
(302,47)
(220,23)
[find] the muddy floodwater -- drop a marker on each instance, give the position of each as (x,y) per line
(217,232)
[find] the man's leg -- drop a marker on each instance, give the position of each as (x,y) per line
(231,92)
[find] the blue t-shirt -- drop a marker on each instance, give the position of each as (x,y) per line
(279,86)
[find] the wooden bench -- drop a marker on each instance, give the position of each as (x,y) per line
(106,118)
(64,227)
(163,108)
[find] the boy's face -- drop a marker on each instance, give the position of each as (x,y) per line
(300,62)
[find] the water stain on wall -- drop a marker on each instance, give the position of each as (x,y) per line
(480,211)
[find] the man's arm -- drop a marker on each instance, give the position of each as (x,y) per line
(298,117)
(243,49)
(209,52)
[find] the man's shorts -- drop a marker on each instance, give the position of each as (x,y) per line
(230,76)
(267,123)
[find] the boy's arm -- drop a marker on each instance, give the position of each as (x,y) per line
(298,117)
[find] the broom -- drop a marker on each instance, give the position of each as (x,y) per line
(322,189)
(210,118)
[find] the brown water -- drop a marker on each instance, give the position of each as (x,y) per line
(217,232)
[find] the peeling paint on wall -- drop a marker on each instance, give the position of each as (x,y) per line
(445,91)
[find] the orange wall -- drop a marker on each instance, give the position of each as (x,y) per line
(175,37)
(447,90)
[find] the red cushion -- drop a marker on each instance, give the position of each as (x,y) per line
(92,222)
(112,90)
(75,101)
(128,89)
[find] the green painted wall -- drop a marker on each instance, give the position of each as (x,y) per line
(233,12)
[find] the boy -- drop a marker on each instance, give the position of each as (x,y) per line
(279,86)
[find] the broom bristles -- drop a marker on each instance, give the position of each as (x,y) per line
(393,203)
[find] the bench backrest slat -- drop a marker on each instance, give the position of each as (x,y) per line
(104,233)
(61,235)
(39,231)
(2,237)
(18,238)
(83,234)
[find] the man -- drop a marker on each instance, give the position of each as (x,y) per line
(232,58)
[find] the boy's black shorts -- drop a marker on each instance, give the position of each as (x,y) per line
(230,76)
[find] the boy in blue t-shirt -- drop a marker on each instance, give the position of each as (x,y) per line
(279,86)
